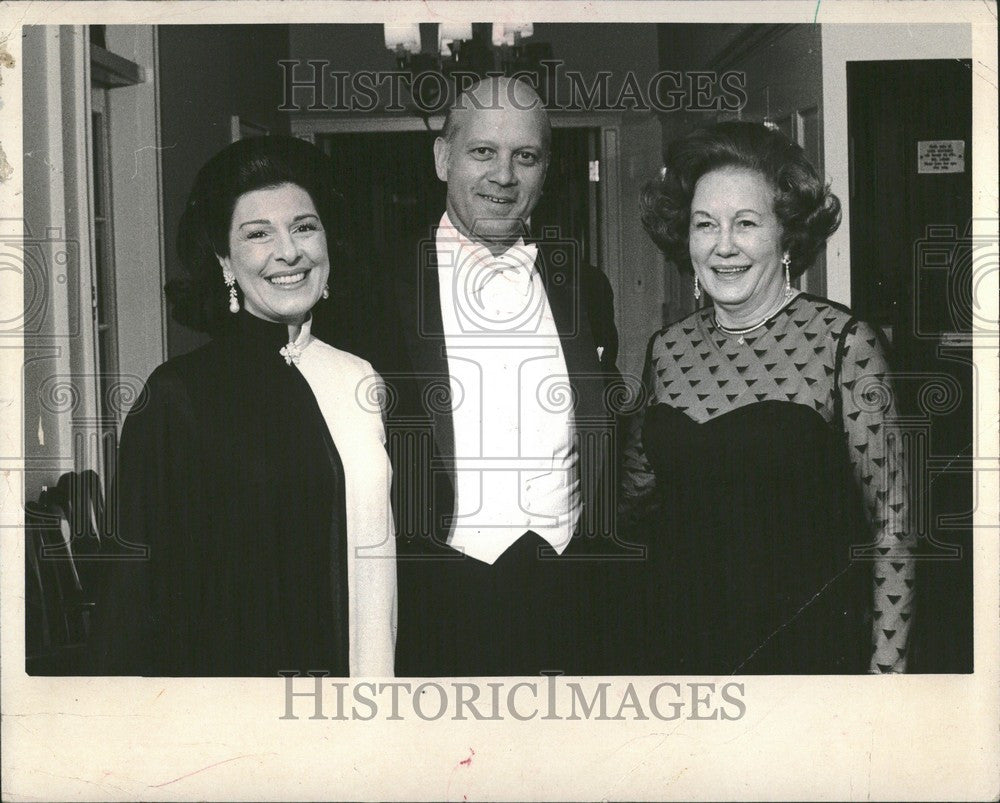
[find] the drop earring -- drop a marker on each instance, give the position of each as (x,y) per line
(697,289)
(786,261)
(326,291)
(230,280)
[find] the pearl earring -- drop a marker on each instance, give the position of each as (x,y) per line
(326,291)
(697,289)
(787,261)
(230,280)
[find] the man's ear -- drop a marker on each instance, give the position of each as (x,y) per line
(442,149)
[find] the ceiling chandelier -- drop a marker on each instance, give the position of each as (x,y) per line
(472,47)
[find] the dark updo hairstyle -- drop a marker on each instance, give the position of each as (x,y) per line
(806,209)
(200,299)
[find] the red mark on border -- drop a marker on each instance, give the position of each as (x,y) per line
(465,762)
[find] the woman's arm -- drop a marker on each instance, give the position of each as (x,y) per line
(875,447)
(638,481)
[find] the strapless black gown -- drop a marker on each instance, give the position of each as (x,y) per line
(754,567)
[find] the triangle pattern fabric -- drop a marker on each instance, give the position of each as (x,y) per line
(791,359)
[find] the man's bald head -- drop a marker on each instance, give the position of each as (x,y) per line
(492,93)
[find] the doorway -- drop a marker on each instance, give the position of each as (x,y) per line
(910,129)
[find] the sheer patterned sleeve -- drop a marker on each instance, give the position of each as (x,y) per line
(638,481)
(875,447)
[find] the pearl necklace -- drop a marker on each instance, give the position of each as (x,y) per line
(789,295)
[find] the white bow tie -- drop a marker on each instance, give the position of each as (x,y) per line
(502,278)
(511,272)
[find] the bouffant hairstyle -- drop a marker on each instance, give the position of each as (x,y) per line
(199,299)
(806,209)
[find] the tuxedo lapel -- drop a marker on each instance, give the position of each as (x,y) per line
(418,301)
(562,276)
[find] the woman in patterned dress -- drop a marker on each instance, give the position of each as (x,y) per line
(784,545)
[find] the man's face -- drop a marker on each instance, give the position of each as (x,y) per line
(495,167)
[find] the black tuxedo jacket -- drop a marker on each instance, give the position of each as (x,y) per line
(458,616)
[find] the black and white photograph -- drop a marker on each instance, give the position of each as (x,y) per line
(604,399)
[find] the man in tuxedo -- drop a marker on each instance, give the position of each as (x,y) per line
(497,416)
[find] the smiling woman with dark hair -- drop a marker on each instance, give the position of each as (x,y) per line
(199,299)
(253,469)
(786,545)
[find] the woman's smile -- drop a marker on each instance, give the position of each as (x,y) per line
(288,280)
(730,271)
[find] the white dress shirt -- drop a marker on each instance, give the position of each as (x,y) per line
(515,462)
(347,390)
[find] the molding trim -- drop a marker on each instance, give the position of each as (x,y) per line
(744,43)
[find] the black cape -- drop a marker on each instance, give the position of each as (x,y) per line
(228,477)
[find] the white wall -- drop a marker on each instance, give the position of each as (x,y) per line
(61,384)
(138,258)
(58,350)
(874,42)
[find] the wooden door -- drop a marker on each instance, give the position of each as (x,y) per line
(910,128)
